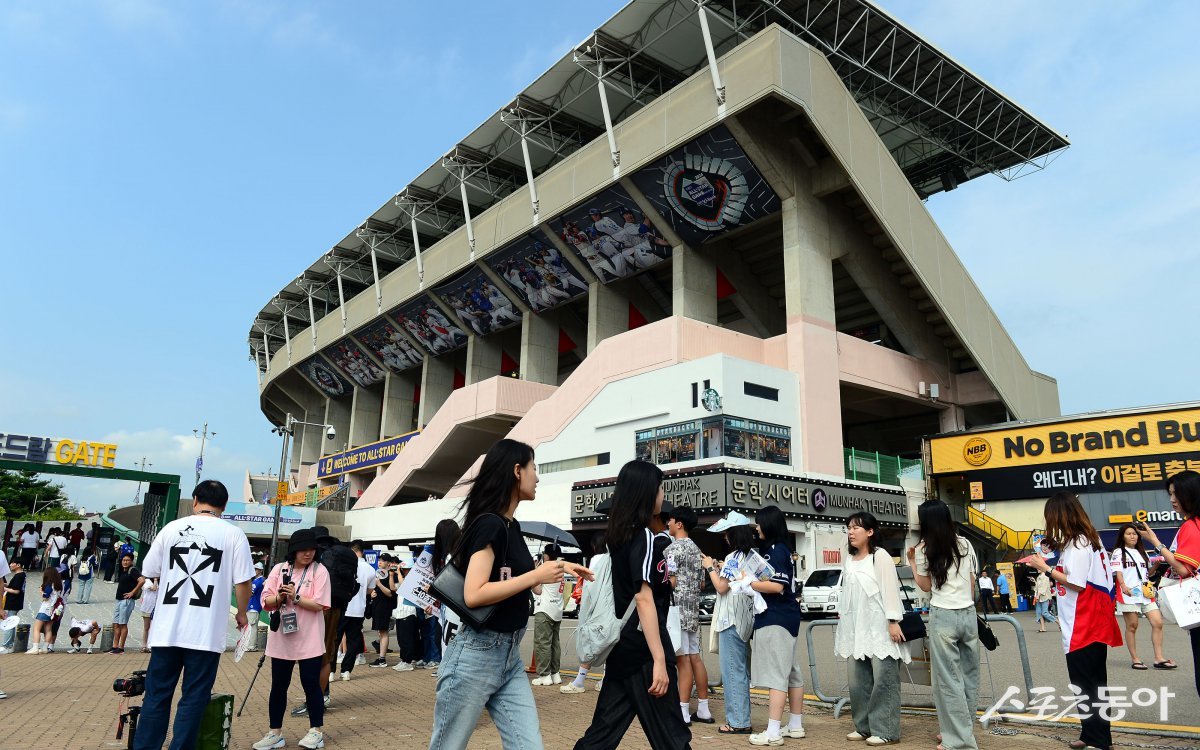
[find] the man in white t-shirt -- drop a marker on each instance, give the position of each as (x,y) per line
(350,626)
(987,589)
(80,628)
(199,561)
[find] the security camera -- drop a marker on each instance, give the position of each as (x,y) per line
(330,433)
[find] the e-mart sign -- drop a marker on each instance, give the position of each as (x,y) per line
(1152,433)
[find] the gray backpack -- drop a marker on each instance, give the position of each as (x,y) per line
(599,627)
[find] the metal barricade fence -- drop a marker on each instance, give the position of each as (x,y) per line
(915,678)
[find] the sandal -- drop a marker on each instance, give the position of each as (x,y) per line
(1168,664)
(1139,666)
(726,729)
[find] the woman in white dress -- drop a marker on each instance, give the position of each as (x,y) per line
(868,634)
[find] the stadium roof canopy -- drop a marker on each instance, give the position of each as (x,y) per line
(943,125)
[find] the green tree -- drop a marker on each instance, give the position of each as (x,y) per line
(19,490)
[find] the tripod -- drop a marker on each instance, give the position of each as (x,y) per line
(130,719)
(250,689)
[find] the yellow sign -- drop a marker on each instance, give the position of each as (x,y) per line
(1146,516)
(976,490)
(281,491)
(101,455)
(1076,440)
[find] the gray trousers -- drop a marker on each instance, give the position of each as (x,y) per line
(547,648)
(954,650)
(875,697)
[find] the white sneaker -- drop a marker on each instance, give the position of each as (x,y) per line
(270,741)
(556,678)
(72,650)
(419,664)
(855,737)
(599,685)
(5,650)
(360,660)
(89,650)
(540,680)
(345,676)
(570,688)
(48,649)
(795,734)
(313,739)
(341,655)
(403,667)
(762,738)
(32,650)
(877,741)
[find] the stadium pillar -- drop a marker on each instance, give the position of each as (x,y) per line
(693,284)
(483,358)
(811,332)
(608,313)
(337,413)
(398,404)
(437,382)
(952,419)
(365,414)
(311,438)
(539,348)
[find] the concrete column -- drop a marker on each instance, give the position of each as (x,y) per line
(337,413)
(483,358)
(437,382)
(693,284)
(398,390)
(952,419)
(608,313)
(365,414)
(539,348)
(811,330)
(310,438)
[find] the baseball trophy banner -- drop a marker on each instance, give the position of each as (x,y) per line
(326,378)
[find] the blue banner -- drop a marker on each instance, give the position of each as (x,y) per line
(355,459)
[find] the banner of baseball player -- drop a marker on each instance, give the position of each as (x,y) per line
(479,306)
(612,235)
(384,339)
(326,378)
(707,187)
(424,320)
(536,272)
(356,365)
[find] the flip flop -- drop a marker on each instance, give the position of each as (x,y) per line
(1139,666)
(726,729)
(1168,664)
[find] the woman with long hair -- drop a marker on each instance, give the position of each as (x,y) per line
(1183,556)
(639,676)
(733,619)
(298,589)
(1084,588)
(52,599)
(445,536)
(1131,568)
(868,633)
(587,602)
(943,563)
(483,667)
(774,663)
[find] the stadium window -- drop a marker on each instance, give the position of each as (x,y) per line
(568,464)
(760,391)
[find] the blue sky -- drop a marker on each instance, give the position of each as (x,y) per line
(167,167)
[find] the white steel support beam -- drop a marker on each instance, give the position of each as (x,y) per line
(417,254)
(718,87)
(533,199)
(608,126)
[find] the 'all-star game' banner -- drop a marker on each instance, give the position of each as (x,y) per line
(707,187)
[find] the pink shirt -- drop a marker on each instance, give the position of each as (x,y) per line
(309,639)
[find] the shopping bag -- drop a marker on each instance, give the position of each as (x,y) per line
(674,629)
(1183,601)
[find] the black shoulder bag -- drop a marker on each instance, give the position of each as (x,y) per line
(450,583)
(912,626)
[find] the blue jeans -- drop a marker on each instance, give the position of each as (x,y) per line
(199,669)
(483,669)
(735,677)
(954,651)
(9,636)
(1041,611)
(84,594)
(432,634)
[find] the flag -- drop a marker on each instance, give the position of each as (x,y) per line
(199,464)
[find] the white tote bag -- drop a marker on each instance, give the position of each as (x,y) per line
(1183,601)
(674,629)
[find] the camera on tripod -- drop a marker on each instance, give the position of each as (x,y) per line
(131,686)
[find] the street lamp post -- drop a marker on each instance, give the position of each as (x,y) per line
(204,435)
(137,496)
(286,431)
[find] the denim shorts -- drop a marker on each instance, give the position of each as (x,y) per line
(122,611)
(42,617)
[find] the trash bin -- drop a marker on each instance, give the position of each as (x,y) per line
(106,639)
(1022,604)
(21,640)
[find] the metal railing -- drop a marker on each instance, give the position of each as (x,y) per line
(1009,539)
(880,468)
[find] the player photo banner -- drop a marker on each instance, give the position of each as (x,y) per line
(424,320)
(612,236)
(478,305)
(536,272)
(353,363)
(707,187)
(326,378)
(384,339)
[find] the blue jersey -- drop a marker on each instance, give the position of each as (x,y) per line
(256,589)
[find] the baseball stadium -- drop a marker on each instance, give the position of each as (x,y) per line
(700,238)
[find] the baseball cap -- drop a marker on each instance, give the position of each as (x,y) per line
(258,566)
(728,522)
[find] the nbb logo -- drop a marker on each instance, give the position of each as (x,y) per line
(977,451)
